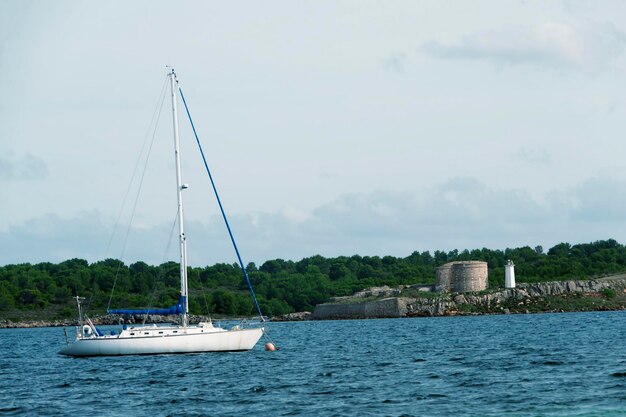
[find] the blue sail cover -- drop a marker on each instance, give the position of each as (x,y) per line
(177,309)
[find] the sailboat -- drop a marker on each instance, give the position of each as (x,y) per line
(176,338)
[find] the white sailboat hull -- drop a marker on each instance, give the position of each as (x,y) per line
(148,341)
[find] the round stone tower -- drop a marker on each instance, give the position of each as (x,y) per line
(469,276)
(443,278)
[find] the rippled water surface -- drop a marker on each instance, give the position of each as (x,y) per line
(516,365)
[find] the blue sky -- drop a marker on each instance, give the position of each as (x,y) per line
(332,128)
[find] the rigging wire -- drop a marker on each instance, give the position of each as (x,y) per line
(132,178)
(143,174)
(219,202)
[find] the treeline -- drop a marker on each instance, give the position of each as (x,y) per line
(280,286)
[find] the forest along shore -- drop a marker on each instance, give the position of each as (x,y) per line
(602,294)
(45,291)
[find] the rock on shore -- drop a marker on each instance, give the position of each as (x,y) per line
(301,316)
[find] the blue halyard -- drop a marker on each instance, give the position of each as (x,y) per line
(219,202)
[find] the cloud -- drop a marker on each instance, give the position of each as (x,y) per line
(462,213)
(25,167)
(597,200)
(51,238)
(395,63)
(533,156)
(551,44)
(457,214)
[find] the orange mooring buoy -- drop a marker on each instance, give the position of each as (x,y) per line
(269,346)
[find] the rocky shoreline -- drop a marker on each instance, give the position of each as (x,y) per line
(100,321)
(113,320)
(559,296)
(416,301)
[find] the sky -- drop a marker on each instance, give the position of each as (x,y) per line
(331,127)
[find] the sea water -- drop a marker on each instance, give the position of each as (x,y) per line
(571,364)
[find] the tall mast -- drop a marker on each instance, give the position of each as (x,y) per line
(179,192)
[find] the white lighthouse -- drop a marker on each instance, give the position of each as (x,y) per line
(509,274)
